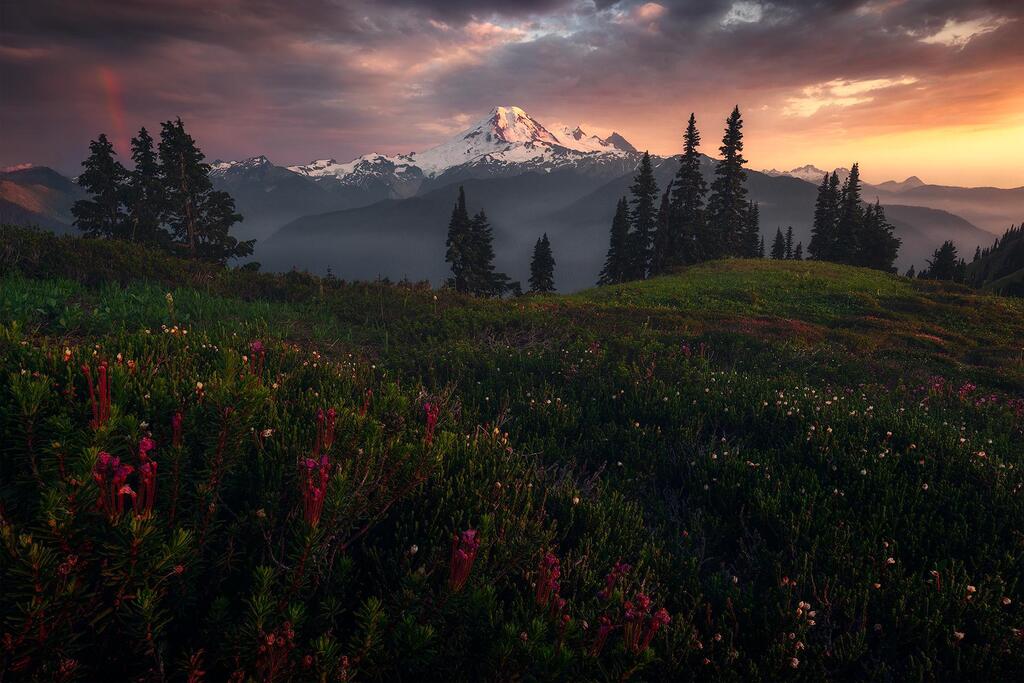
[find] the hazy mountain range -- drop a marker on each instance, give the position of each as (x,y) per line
(386,215)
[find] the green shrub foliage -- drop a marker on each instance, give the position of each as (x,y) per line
(211,474)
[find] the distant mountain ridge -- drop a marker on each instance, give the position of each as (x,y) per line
(506,142)
(385,214)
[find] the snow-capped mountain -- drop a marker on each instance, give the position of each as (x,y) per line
(507,141)
(810,173)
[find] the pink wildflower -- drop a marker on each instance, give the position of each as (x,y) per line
(99,395)
(433,411)
(314,488)
(464,549)
(547,579)
(110,475)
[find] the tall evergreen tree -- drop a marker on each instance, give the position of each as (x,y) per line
(615,264)
(798,252)
(727,205)
(200,217)
(459,245)
(542,267)
(661,250)
(689,191)
(145,194)
(789,242)
(779,246)
(217,216)
(643,216)
(877,246)
(751,230)
(850,221)
(102,215)
(484,280)
(826,208)
(760,247)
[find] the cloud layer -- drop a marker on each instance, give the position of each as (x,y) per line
(818,82)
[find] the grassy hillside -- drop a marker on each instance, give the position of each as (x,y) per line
(814,470)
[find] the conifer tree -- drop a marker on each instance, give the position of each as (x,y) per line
(144,194)
(823,231)
(850,221)
(910,272)
(727,205)
(102,215)
(483,279)
(760,247)
(459,245)
(661,261)
(798,252)
(751,230)
(943,264)
(689,191)
(615,266)
(643,217)
(200,218)
(877,245)
(789,242)
(542,267)
(779,246)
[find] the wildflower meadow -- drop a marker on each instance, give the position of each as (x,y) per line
(751,470)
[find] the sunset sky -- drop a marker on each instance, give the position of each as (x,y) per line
(927,87)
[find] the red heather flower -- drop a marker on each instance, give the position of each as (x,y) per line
(110,475)
(314,488)
(433,411)
(147,479)
(636,614)
(99,395)
(464,549)
(324,431)
(176,422)
(660,618)
(639,631)
(604,629)
(548,574)
(618,571)
(258,356)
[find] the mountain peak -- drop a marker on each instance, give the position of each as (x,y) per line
(620,143)
(507,136)
(512,125)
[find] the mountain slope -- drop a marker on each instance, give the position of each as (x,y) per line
(1000,268)
(269,196)
(405,238)
(399,238)
(38,196)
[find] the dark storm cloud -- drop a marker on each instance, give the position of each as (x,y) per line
(314,77)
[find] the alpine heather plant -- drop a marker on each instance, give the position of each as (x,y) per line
(99,395)
(465,546)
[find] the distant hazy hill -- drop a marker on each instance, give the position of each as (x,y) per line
(38,196)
